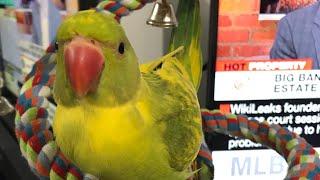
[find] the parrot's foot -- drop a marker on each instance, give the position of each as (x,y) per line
(200,171)
(195,170)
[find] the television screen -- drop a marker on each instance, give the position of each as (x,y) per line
(276,9)
(243,79)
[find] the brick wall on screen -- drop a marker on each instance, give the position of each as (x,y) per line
(241,35)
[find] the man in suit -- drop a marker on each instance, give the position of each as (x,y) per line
(298,35)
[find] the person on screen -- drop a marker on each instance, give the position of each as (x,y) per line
(298,35)
(269,6)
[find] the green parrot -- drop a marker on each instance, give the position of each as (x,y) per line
(119,120)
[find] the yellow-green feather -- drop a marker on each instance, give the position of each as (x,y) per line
(187,34)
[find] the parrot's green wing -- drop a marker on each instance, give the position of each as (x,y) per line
(176,109)
(180,71)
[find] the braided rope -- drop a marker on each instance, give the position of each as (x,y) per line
(122,8)
(303,161)
(32,127)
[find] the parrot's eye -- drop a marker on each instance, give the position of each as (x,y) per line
(121,48)
(56,45)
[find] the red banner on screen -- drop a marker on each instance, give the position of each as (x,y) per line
(264,65)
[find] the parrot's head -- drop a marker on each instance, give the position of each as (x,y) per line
(95,61)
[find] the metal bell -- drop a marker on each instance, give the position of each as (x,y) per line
(163,15)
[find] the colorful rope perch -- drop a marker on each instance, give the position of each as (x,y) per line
(35,140)
(122,7)
(302,159)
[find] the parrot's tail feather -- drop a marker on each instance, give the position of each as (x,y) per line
(187,34)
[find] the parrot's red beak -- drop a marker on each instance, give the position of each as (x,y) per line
(84,62)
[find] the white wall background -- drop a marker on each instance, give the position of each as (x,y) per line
(147,40)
